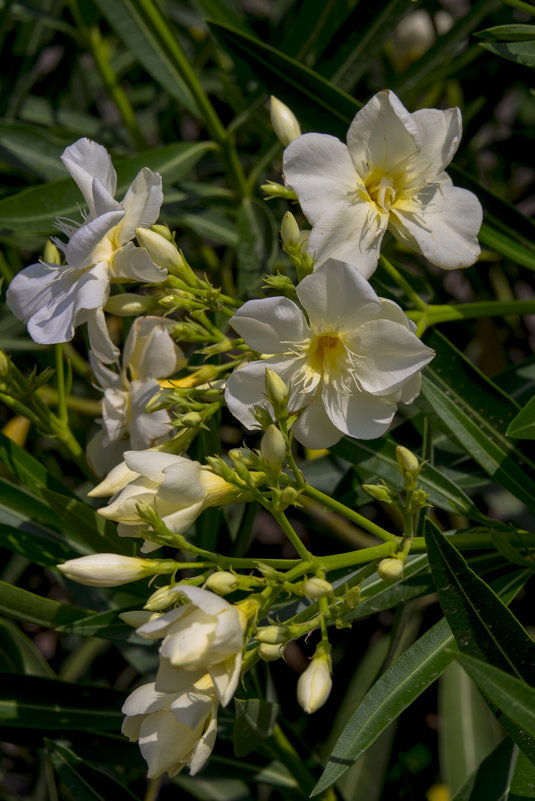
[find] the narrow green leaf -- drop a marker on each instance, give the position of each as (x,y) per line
(19,654)
(39,545)
(84,780)
(523,781)
(504,244)
(30,149)
(521,52)
(257,234)
(514,697)
(508,33)
(468,731)
(255,720)
(34,210)
(34,702)
(398,687)
(28,469)
(491,781)
(129,22)
(523,425)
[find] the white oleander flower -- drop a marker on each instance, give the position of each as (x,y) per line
(389,176)
(54,299)
(315,683)
(177,487)
(174,728)
(149,355)
(348,366)
(202,636)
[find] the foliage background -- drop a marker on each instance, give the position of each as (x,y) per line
(121,73)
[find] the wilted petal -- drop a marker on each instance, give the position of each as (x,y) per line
(267,325)
(319,169)
(445,228)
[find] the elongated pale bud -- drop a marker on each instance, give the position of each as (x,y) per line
(276,391)
(290,233)
(380,492)
(108,569)
(273,448)
(129,304)
(284,122)
(269,653)
(390,569)
(273,635)
(317,588)
(314,685)
(161,599)
(165,254)
(221,582)
(408,464)
(163,230)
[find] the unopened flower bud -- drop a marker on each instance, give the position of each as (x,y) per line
(379,492)
(165,254)
(4,365)
(245,456)
(273,189)
(161,599)
(128,304)
(273,635)
(107,569)
(314,685)
(418,500)
(408,463)
(269,653)
(262,416)
(284,122)
(317,588)
(390,569)
(276,391)
(163,230)
(352,597)
(273,448)
(191,420)
(221,582)
(290,233)
(51,254)
(288,496)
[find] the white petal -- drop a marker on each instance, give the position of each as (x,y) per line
(117,480)
(350,232)
(180,520)
(105,377)
(337,298)
(149,350)
(228,636)
(152,463)
(171,679)
(99,338)
(123,506)
(382,135)
(135,264)
(102,199)
(189,648)
(86,160)
(444,226)
(314,428)
(439,133)
(359,415)
(158,627)
(411,389)
(391,311)
(146,699)
(204,747)
(104,454)
(390,356)
(226,676)
(36,286)
(319,169)
(181,484)
(146,429)
(115,413)
(142,204)
(164,743)
(192,708)
(209,602)
(267,325)
(247,386)
(79,251)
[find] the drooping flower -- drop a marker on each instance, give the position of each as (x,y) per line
(348,366)
(202,636)
(389,176)
(149,354)
(177,487)
(54,299)
(174,728)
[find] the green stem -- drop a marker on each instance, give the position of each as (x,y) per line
(287,527)
(60,383)
(91,408)
(355,517)
(213,124)
(402,283)
(432,315)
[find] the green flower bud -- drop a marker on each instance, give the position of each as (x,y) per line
(51,254)
(163,230)
(129,304)
(273,635)
(273,448)
(273,189)
(269,653)
(191,420)
(222,582)
(290,233)
(284,122)
(390,569)
(161,599)
(379,492)
(317,588)
(277,392)
(407,462)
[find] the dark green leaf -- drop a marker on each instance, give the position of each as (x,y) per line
(508,33)
(30,149)
(85,781)
(28,469)
(257,237)
(521,52)
(397,688)
(514,697)
(255,720)
(19,654)
(39,703)
(490,782)
(38,544)
(523,425)
(523,781)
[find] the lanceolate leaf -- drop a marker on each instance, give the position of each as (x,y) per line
(491,780)
(85,781)
(397,688)
(34,210)
(513,697)
(39,703)
(523,426)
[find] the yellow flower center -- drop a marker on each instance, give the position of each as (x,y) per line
(326,353)
(381,190)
